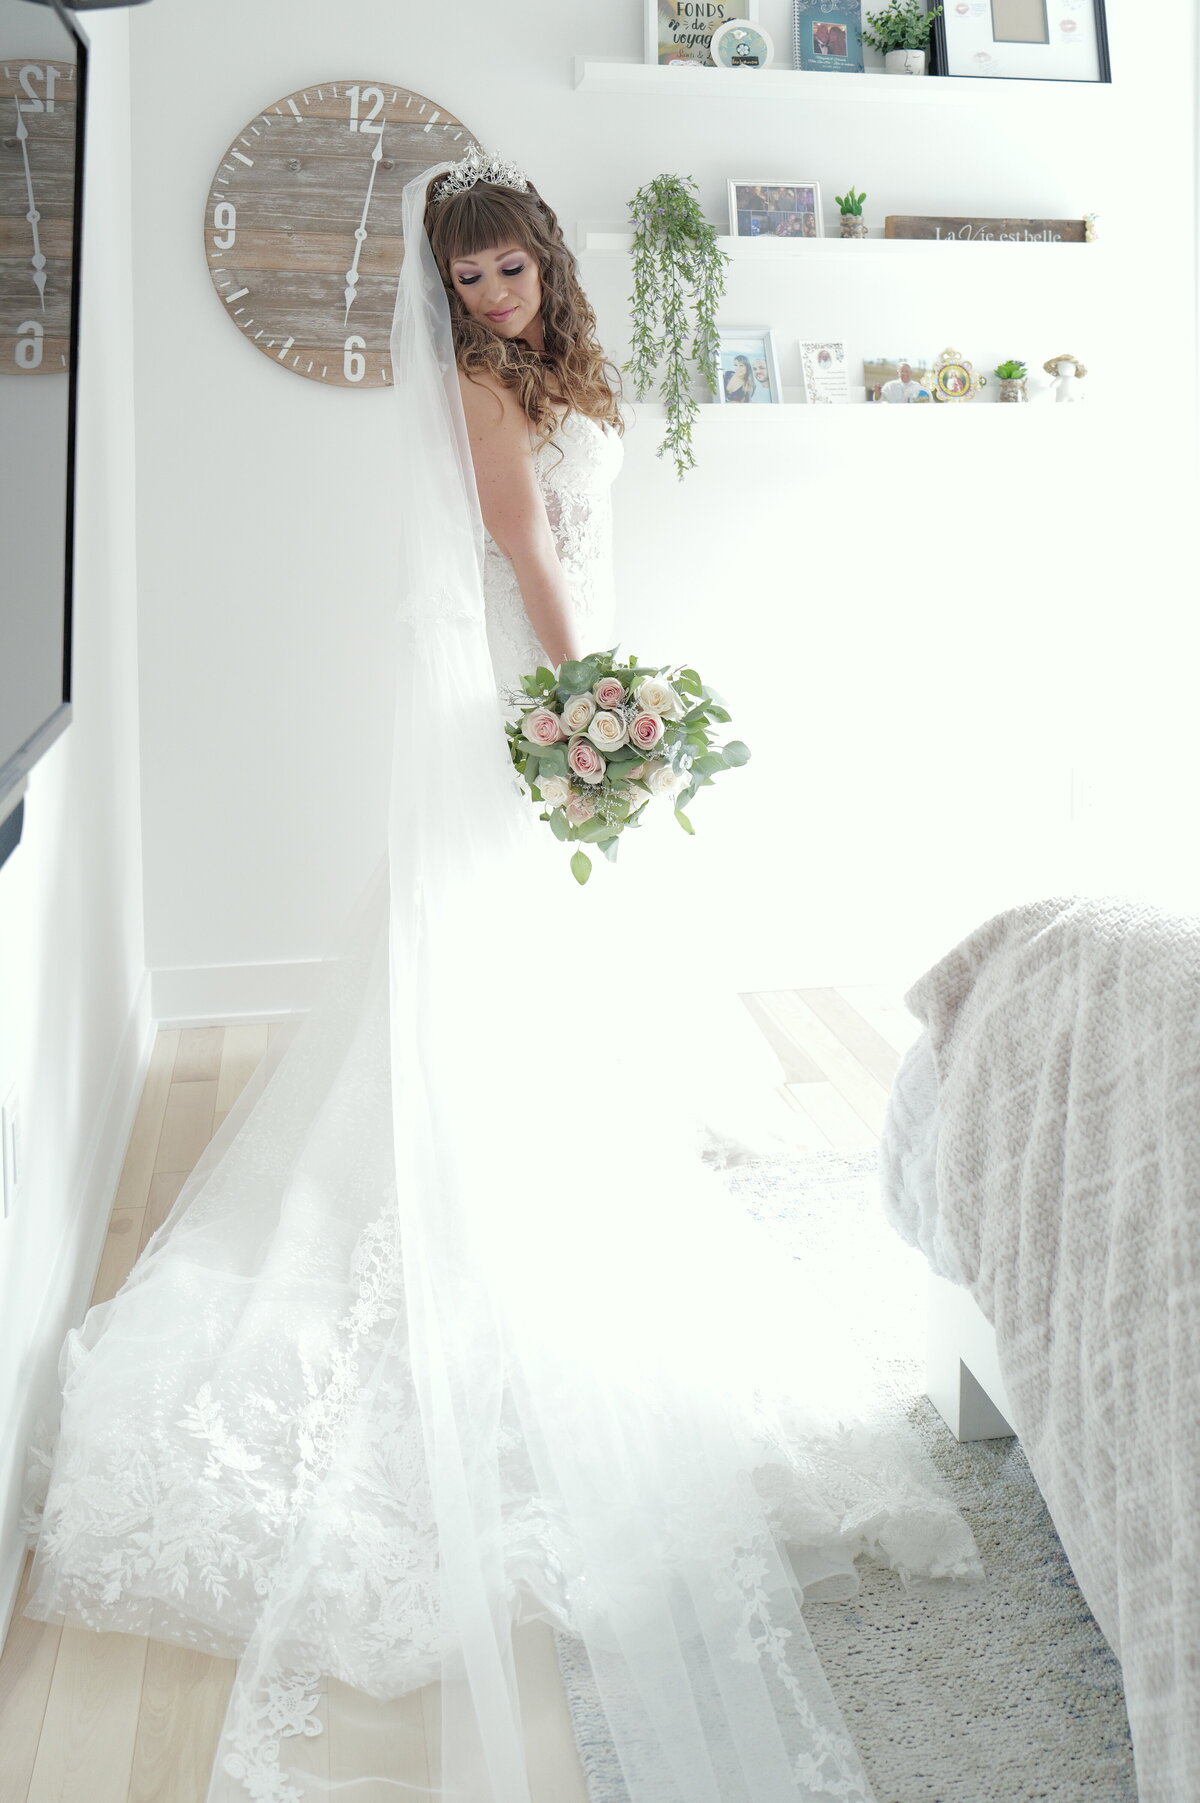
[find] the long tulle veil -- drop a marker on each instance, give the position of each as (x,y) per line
(580,1459)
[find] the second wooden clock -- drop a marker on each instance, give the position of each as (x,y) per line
(303,228)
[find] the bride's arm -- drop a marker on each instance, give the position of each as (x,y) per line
(515,513)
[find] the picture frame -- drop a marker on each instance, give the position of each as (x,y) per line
(749,367)
(827,36)
(824,372)
(884,379)
(774,209)
(675,37)
(1023,40)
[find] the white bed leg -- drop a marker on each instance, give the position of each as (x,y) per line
(963,1374)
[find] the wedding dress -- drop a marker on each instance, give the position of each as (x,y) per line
(450,1327)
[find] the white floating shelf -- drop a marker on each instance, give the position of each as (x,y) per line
(621,243)
(595,76)
(645,412)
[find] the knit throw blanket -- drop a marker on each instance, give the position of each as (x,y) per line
(1065,1037)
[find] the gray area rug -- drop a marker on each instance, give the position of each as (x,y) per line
(1014,1697)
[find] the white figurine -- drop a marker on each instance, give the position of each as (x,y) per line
(1067,372)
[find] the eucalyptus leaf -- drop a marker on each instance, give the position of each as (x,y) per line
(610,847)
(558,825)
(581,867)
(735,753)
(709,764)
(684,822)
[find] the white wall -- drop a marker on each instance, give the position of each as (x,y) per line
(970,607)
(74,1003)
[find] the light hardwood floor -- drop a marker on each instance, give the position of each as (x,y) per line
(110,1718)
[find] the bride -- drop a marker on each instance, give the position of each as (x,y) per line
(450,1328)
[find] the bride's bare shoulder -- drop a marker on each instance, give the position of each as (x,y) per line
(490,404)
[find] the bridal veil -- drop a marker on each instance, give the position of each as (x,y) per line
(528,1358)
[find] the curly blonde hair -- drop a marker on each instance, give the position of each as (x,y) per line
(573,366)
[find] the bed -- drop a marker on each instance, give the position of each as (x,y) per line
(1042,1149)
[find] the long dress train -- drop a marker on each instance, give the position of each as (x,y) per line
(450,1327)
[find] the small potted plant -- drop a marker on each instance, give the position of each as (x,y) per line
(901,31)
(853,223)
(1011,377)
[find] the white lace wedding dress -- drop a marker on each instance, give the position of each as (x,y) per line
(242,1418)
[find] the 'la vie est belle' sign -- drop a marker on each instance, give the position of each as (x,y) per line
(995,231)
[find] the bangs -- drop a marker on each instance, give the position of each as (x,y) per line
(476,220)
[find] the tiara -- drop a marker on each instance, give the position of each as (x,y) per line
(479,166)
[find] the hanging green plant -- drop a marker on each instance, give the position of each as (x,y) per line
(678,283)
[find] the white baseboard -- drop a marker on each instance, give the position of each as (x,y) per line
(73,1276)
(218,995)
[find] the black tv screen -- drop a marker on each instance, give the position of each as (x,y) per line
(43,80)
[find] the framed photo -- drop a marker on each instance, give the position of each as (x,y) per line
(740,44)
(749,367)
(1023,40)
(896,379)
(828,36)
(680,32)
(823,372)
(775,209)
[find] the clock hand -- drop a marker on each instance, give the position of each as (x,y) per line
(360,236)
(38,260)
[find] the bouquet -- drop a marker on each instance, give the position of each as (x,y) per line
(598,740)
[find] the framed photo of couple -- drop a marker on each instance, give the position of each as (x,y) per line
(749,372)
(774,209)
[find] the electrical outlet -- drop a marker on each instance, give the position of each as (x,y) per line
(10,1148)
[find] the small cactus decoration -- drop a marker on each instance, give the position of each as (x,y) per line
(853,223)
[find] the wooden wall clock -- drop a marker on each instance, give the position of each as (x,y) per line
(302,226)
(37,214)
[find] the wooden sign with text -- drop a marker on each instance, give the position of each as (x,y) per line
(988,231)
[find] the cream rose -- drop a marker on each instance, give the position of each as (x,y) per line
(577,713)
(556,790)
(645,730)
(607,731)
(658,697)
(542,727)
(636,798)
(580,809)
(609,692)
(585,761)
(662,780)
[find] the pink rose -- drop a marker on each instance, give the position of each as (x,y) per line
(609,692)
(580,809)
(585,761)
(645,730)
(542,727)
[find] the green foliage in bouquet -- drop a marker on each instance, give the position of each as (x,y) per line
(850,203)
(676,266)
(904,25)
(1012,371)
(583,755)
